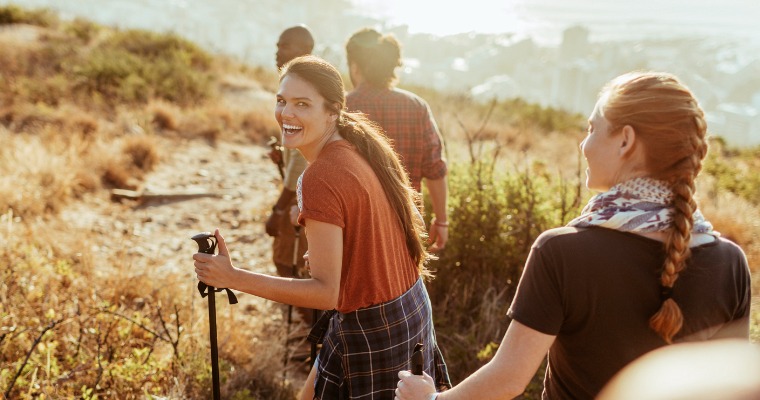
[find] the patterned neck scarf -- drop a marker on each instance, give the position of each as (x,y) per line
(641,205)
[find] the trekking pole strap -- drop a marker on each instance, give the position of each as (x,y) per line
(204,290)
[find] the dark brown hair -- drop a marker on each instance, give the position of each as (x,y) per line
(376,55)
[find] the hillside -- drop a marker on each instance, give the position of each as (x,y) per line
(98,294)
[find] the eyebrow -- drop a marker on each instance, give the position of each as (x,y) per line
(295,98)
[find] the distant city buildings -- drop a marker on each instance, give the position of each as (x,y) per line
(570,76)
(724,75)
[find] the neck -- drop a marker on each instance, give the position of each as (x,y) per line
(311,153)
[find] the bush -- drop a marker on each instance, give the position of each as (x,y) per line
(494,217)
(735,171)
(135,66)
(16,15)
(68,332)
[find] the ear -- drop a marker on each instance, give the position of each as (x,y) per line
(355,74)
(334,116)
(353,68)
(627,141)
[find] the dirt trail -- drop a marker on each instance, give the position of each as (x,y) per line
(153,237)
(159,231)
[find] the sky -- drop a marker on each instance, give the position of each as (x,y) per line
(483,16)
(544,20)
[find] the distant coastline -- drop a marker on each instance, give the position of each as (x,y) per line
(715,49)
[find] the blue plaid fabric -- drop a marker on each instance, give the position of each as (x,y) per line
(363,351)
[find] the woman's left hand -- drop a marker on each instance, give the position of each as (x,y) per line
(414,387)
(215,270)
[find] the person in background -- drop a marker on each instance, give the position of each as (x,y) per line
(294,42)
(405,117)
(366,253)
(639,269)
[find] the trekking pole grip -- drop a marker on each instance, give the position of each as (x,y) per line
(417,360)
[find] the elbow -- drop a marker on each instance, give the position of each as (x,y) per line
(327,301)
(512,391)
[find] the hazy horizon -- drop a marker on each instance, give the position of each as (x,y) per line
(544,20)
(515,52)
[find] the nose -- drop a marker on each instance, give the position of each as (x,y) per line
(582,143)
(286,110)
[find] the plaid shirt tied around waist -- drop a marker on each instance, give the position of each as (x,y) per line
(363,351)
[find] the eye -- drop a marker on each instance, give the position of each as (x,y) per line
(302,104)
(280,102)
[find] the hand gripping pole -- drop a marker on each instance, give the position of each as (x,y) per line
(207,244)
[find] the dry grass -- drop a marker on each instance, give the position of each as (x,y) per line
(164,115)
(84,320)
(128,325)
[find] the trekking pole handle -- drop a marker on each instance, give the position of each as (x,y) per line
(417,360)
(206,242)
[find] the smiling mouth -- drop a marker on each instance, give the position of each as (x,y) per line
(291,129)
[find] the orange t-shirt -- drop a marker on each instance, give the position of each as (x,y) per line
(340,188)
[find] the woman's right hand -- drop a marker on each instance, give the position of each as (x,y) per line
(414,387)
(216,269)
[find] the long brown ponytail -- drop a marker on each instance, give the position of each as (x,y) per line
(372,143)
(670,123)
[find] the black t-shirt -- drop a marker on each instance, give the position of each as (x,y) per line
(596,288)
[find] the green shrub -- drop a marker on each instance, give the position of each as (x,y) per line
(134,66)
(735,171)
(12,14)
(494,218)
(548,119)
(83,29)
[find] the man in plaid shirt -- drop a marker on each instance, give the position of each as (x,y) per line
(404,116)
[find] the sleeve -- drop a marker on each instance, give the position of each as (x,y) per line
(744,287)
(538,302)
(433,161)
(295,166)
(321,199)
(739,325)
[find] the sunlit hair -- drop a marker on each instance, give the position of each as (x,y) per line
(376,55)
(372,143)
(670,124)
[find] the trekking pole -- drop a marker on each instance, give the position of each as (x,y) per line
(297,237)
(207,244)
(417,360)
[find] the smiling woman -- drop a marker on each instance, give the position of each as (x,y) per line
(366,251)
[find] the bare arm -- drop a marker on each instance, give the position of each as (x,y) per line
(504,377)
(320,291)
(438,232)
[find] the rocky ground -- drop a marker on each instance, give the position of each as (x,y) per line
(233,187)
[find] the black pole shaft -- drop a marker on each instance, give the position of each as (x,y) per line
(214,348)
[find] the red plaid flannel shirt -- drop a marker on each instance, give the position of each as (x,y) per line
(408,122)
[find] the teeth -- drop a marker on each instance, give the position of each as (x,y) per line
(292,127)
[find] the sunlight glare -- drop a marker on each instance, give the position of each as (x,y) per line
(482,16)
